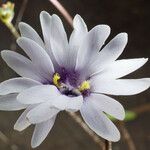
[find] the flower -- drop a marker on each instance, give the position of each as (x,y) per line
(61,75)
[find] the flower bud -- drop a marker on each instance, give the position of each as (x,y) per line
(7,12)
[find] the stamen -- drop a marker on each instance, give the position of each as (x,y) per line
(85,85)
(56,79)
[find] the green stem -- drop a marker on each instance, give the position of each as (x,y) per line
(13,30)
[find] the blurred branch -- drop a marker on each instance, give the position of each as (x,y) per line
(62,10)
(18,19)
(6,140)
(141,109)
(108,145)
(21,12)
(127,137)
(95,137)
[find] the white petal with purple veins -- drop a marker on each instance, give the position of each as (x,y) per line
(91,45)
(59,41)
(76,38)
(16,85)
(38,94)
(68,103)
(40,113)
(41,131)
(22,122)
(28,32)
(120,86)
(10,103)
(99,122)
(20,64)
(120,68)
(38,56)
(107,104)
(109,53)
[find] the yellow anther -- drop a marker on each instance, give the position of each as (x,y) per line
(84,86)
(56,79)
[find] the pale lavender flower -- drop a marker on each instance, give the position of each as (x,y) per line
(61,75)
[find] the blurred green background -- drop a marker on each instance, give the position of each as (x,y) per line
(131,16)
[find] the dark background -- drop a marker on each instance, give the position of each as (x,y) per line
(131,16)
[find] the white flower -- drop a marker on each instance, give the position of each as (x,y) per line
(61,75)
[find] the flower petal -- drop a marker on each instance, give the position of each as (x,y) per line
(38,56)
(68,103)
(107,104)
(9,103)
(120,86)
(22,122)
(41,113)
(20,64)
(98,122)
(120,68)
(91,45)
(59,41)
(109,53)
(41,131)
(79,32)
(16,85)
(28,32)
(38,94)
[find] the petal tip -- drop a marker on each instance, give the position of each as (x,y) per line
(21,24)
(17,128)
(115,137)
(4,53)
(44,13)
(146,59)
(123,35)
(34,145)
(77,16)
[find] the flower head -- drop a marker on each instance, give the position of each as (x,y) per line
(75,75)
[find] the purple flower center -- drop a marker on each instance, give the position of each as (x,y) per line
(70,83)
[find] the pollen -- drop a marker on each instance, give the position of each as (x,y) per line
(84,86)
(56,79)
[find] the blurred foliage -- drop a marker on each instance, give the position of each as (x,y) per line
(129,116)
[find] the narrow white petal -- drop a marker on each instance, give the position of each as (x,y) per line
(109,53)
(28,32)
(68,103)
(99,123)
(79,32)
(16,85)
(38,56)
(41,113)
(91,45)
(20,64)
(10,103)
(107,104)
(41,131)
(120,68)
(45,20)
(121,86)
(58,39)
(22,122)
(38,94)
